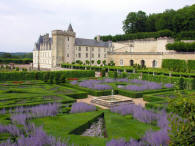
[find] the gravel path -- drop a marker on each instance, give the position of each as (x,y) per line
(96,129)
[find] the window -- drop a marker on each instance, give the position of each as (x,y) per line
(121,62)
(104,49)
(86,48)
(92,49)
(79,48)
(79,55)
(154,63)
(131,62)
(86,55)
(142,63)
(68,38)
(98,55)
(92,55)
(104,55)
(67,55)
(76,55)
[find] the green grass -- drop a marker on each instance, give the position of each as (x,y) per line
(64,124)
(119,126)
(4,119)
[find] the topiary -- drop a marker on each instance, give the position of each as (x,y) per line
(181,83)
(62,78)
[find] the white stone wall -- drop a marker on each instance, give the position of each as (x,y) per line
(84,53)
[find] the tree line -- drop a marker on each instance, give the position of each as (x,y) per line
(176,21)
(178,24)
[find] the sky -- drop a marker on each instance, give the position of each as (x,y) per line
(22,21)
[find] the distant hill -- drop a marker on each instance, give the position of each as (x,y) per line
(16,55)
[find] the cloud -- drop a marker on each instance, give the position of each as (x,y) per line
(22,21)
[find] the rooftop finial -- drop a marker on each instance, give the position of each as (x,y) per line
(70,28)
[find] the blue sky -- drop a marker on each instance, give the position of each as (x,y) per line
(22,21)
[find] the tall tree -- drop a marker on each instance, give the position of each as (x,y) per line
(135,22)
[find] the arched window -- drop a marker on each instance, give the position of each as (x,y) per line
(154,63)
(131,62)
(121,62)
(142,63)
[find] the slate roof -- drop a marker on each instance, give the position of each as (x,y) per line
(70,28)
(90,43)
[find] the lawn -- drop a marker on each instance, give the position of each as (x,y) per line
(64,124)
(117,126)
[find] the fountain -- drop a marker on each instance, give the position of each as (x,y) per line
(111,100)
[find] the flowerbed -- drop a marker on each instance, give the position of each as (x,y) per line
(151,137)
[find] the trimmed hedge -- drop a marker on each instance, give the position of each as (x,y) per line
(129,69)
(13,76)
(139,35)
(186,35)
(16,61)
(191,65)
(181,47)
(91,91)
(175,65)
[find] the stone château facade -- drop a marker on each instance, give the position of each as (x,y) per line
(64,47)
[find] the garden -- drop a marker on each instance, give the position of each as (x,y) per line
(44,109)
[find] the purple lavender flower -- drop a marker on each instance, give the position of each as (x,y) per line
(157,138)
(109,80)
(169,85)
(94,84)
(143,85)
(138,112)
(122,80)
(116,142)
(80,107)
(74,82)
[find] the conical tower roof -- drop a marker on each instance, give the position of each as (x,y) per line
(70,28)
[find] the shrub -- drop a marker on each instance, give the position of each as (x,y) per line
(81,107)
(46,77)
(191,65)
(181,47)
(103,72)
(115,74)
(181,83)
(62,78)
(139,35)
(174,65)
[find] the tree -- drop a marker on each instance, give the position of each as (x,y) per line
(92,61)
(99,62)
(87,62)
(103,72)
(112,63)
(62,78)
(135,22)
(104,62)
(46,77)
(181,84)
(51,78)
(182,126)
(6,55)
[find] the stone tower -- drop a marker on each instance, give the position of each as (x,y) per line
(58,47)
(63,48)
(69,44)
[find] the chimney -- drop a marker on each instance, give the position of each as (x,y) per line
(98,38)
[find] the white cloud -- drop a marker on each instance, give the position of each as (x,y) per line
(22,21)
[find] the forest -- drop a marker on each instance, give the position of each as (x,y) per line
(179,23)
